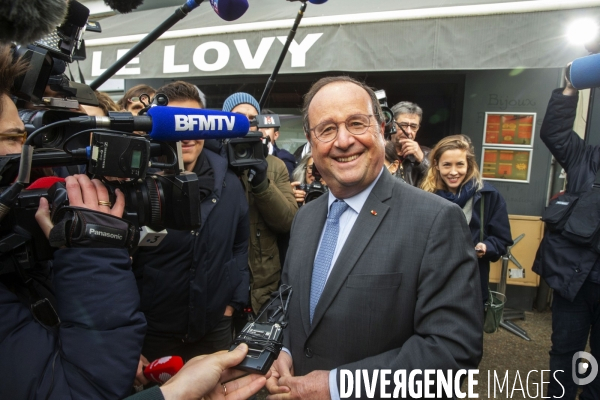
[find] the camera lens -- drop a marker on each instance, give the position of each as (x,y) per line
(243,151)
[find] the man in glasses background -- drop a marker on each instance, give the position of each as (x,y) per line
(414,158)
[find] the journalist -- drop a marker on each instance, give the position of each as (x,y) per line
(303,179)
(272,209)
(571,269)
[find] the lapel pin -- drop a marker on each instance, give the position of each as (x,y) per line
(373,212)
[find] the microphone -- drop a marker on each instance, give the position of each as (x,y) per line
(123,6)
(163,369)
(584,72)
(25,21)
(172,123)
(230,10)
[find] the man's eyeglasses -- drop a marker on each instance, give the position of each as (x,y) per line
(355,124)
(404,126)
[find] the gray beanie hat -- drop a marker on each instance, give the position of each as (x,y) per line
(240,98)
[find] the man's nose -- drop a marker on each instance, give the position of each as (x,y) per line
(344,137)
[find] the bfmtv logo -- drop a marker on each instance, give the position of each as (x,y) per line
(580,367)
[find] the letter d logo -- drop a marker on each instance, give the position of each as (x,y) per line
(582,367)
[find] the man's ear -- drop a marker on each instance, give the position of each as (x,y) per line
(275,135)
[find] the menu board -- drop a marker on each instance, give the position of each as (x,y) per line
(506,164)
(515,129)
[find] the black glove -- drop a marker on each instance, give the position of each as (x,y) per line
(260,173)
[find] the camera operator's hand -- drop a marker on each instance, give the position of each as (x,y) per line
(569,90)
(300,195)
(260,173)
(209,377)
(85,193)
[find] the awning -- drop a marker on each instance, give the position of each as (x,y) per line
(345,35)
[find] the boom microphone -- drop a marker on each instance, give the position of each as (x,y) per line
(25,21)
(230,10)
(163,369)
(584,72)
(172,123)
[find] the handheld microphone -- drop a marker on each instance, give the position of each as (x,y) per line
(175,123)
(172,123)
(163,369)
(584,72)
(230,10)
(123,6)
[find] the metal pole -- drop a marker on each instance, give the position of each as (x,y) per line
(273,77)
(178,15)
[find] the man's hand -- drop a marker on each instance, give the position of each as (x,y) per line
(569,90)
(480,249)
(140,379)
(298,194)
(314,386)
(203,376)
(410,147)
(283,366)
(84,193)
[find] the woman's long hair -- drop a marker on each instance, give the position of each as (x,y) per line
(299,173)
(433,181)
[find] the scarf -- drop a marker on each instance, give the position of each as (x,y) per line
(465,192)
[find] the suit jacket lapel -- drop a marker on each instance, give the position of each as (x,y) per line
(310,238)
(360,236)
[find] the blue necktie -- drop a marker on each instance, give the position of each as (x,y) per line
(325,253)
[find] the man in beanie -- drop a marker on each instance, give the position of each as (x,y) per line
(272,209)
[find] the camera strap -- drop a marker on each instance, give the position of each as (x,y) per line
(82,227)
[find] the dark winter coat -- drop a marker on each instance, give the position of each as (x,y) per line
(188,280)
(563,264)
(95,351)
(288,158)
(496,227)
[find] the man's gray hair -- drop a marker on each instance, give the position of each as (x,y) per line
(406,107)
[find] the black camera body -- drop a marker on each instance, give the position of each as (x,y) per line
(245,152)
(313,190)
(264,341)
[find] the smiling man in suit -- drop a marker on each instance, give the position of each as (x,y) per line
(384,274)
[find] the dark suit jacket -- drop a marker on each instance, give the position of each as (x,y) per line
(404,292)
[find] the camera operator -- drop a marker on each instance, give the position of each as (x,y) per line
(571,269)
(303,177)
(272,210)
(93,352)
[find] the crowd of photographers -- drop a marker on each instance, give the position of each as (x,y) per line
(90,320)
